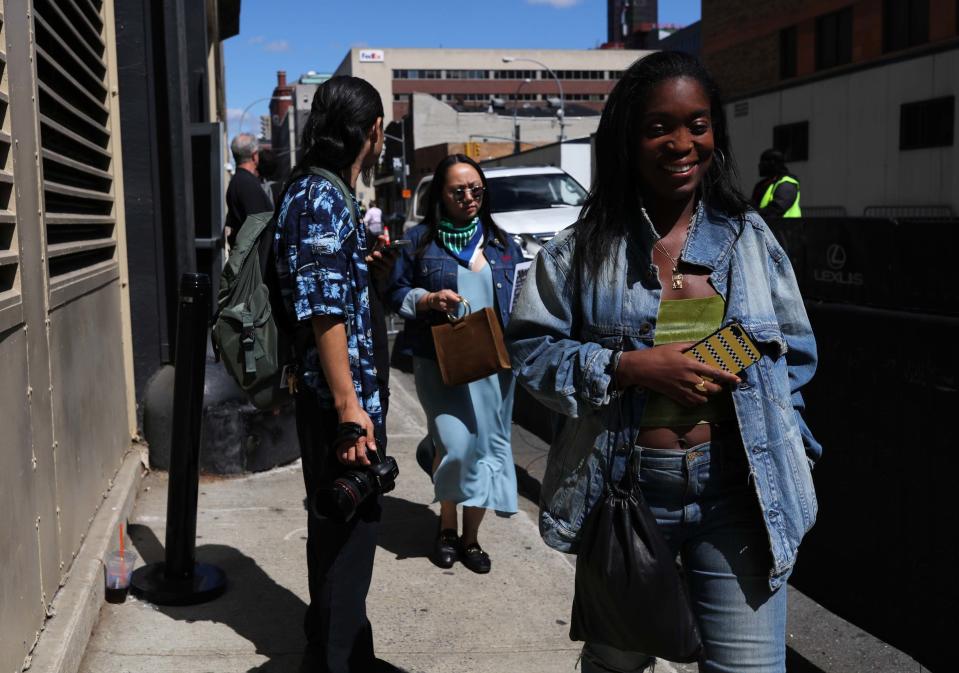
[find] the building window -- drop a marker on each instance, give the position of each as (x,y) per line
(467,74)
(416,74)
(401,98)
(792,140)
(927,123)
(474,97)
(905,23)
(616,74)
(516,74)
(580,74)
(788,49)
(834,39)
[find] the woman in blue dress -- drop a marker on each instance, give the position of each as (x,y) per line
(458,253)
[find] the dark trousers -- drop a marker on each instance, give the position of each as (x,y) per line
(339,556)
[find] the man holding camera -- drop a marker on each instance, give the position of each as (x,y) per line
(323,264)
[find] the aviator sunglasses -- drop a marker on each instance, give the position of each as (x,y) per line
(460,193)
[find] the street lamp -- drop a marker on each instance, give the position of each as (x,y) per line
(562,98)
(247,109)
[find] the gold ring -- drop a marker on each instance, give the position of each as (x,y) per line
(701,386)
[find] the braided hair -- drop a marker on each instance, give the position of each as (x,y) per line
(615,199)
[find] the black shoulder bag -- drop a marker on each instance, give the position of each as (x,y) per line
(629,594)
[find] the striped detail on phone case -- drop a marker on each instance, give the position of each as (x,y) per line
(730,349)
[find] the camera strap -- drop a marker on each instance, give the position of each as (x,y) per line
(348,433)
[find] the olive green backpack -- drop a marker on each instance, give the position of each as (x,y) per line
(252,331)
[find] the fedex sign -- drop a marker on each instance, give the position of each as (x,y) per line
(372,56)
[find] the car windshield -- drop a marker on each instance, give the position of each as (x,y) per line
(534,192)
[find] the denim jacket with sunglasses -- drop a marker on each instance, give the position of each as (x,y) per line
(567,331)
(436,269)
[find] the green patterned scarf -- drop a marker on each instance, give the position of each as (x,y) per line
(456,238)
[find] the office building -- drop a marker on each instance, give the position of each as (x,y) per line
(469,78)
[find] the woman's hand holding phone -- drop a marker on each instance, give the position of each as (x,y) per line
(666,370)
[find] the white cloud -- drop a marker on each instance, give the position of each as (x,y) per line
(277,46)
(559,4)
(233,118)
(256,39)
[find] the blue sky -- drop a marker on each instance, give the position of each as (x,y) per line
(303,35)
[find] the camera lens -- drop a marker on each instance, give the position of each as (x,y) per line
(340,499)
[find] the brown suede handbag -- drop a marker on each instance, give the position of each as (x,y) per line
(470,347)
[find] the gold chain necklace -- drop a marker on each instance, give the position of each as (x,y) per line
(677,277)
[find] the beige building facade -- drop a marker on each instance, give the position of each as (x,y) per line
(453,89)
(476,75)
(66,394)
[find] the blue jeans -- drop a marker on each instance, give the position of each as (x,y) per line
(709,514)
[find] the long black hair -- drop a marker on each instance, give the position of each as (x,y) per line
(343,111)
(436,211)
(615,200)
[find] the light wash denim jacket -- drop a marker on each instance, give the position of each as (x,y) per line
(435,269)
(565,336)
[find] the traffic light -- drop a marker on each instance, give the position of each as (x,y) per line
(398,170)
(473,150)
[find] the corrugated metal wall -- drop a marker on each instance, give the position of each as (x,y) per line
(66,388)
(854,121)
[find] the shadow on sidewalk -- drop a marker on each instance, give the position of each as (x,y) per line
(257,608)
(407,528)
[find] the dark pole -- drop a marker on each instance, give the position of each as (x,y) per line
(187,413)
(181,580)
(516,144)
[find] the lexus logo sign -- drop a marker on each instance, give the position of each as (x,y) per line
(835,256)
(836,274)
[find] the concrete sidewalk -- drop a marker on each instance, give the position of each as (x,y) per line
(425,620)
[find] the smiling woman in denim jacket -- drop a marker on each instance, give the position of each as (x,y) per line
(458,252)
(666,251)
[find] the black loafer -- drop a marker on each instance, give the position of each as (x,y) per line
(474,558)
(444,551)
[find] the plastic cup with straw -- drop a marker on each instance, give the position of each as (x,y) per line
(118,568)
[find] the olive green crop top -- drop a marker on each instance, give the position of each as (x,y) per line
(687,320)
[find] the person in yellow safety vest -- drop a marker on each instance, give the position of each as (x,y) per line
(777,194)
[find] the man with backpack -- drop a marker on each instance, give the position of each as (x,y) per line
(323,258)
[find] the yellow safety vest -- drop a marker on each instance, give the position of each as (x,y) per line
(793,210)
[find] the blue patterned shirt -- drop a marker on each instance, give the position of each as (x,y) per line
(321,269)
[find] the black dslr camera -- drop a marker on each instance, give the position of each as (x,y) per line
(340,499)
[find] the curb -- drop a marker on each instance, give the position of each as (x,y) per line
(76,607)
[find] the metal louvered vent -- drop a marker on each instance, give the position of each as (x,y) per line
(74,136)
(9,259)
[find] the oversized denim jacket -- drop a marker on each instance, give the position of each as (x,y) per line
(436,270)
(566,331)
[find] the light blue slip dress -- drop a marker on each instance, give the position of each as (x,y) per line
(470,424)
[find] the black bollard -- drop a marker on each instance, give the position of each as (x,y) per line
(180,580)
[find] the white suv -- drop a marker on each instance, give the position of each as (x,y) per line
(532,204)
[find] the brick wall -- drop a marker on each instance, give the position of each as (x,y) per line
(746,66)
(741,37)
